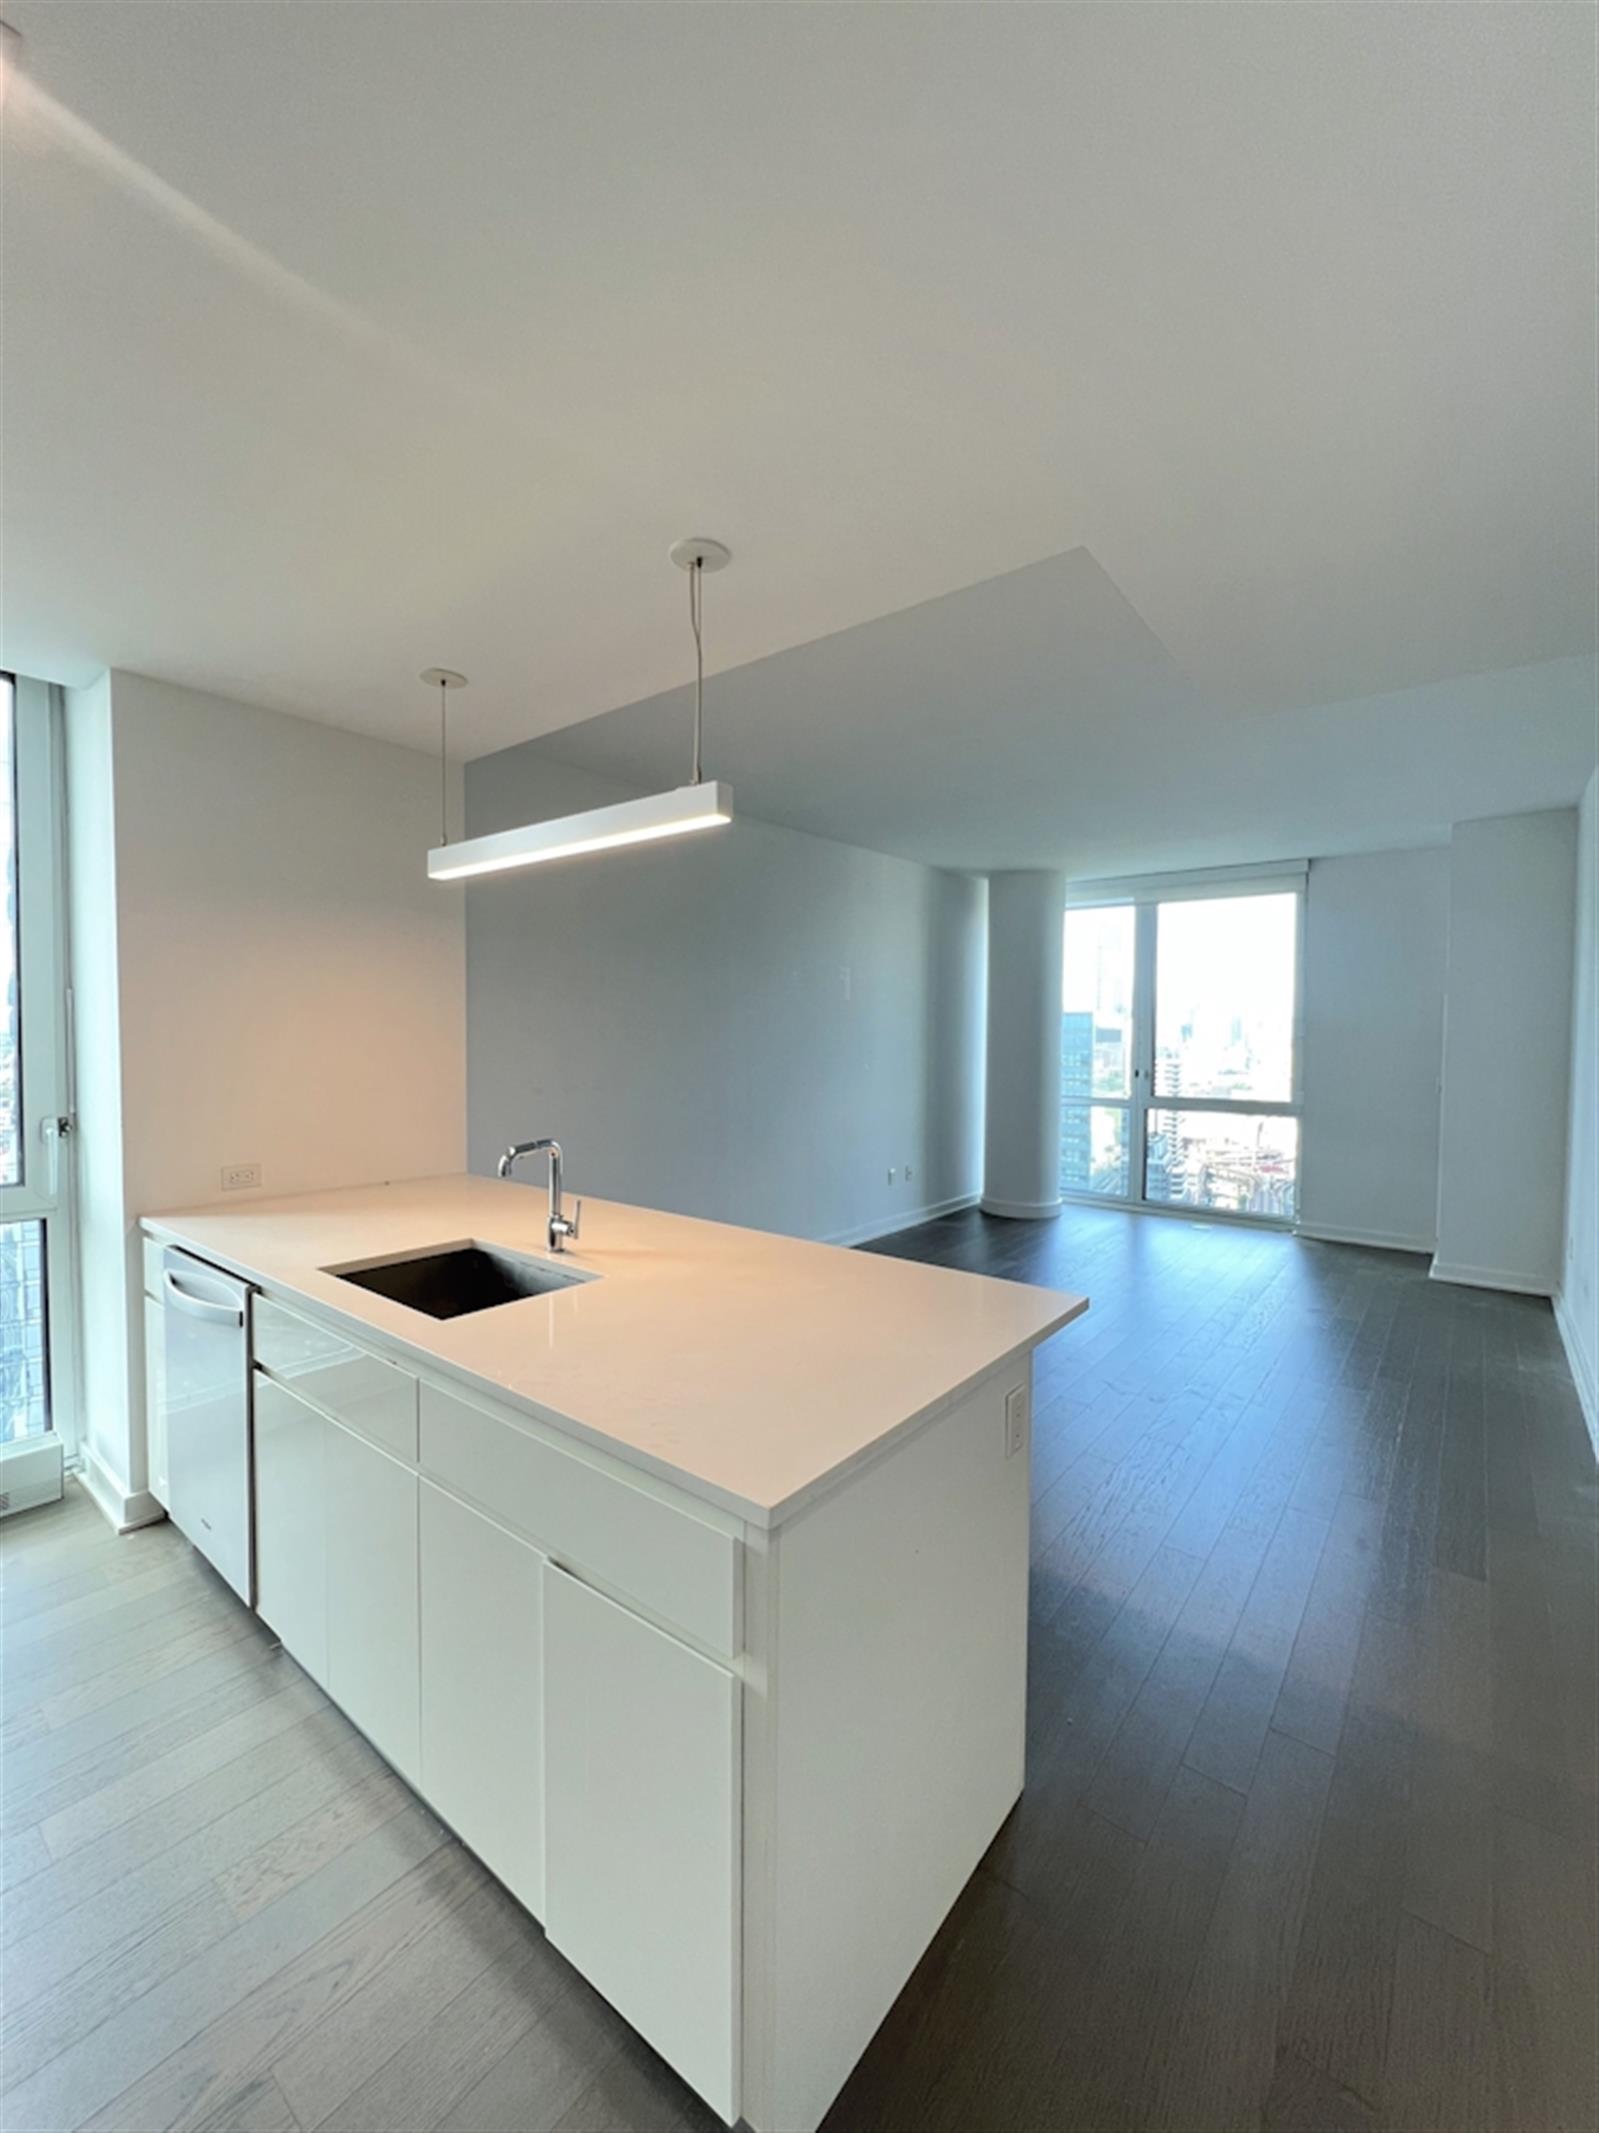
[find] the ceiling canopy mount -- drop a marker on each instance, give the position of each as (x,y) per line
(698,553)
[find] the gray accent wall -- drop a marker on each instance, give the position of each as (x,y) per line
(754,1024)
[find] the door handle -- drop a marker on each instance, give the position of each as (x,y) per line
(193,1306)
(53,1130)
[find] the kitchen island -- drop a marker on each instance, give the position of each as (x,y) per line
(691,1593)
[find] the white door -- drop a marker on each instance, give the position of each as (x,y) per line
(205,1385)
(482,1689)
(372,1595)
(291,1554)
(641,1828)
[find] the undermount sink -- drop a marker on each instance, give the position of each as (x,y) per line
(451,1280)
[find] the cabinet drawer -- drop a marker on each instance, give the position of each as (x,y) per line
(343,1379)
(672,1563)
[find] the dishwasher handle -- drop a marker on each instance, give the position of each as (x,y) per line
(181,1299)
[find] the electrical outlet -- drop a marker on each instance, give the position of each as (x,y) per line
(1015,1420)
(237,1177)
(909,1173)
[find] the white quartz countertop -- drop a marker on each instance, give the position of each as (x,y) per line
(752,1370)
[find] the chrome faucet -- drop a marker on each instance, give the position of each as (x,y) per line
(561,1226)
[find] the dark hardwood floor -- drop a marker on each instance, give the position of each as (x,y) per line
(1308,1840)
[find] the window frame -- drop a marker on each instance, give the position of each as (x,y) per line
(45,1190)
(1146,893)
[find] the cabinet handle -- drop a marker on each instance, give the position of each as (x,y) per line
(198,1306)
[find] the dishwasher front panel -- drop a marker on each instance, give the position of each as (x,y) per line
(205,1318)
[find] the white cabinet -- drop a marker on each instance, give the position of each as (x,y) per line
(679,1565)
(641,1828)
(155,1401)
(336,1564)
(371,1508)
(482,1689)
(291,1544)
(587,1754)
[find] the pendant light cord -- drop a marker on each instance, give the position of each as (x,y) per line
(694,600)
(444,768)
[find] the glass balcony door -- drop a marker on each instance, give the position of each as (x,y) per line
(1101,1131)
(1179,1051)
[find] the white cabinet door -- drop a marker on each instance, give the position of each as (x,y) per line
(372,1611)
(155,1400)
(291,1548)
(482,1689)
(641,1828)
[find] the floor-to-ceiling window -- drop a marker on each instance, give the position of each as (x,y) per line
(36,1272)
(1179,1043)
(1096,1051)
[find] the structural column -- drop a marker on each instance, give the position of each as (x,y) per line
(1021,1141)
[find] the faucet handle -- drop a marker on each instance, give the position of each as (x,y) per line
(576,1221)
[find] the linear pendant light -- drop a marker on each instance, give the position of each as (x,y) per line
(702,804)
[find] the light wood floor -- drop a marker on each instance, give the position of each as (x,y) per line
(1309,1834)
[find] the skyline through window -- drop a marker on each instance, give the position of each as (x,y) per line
(1178,1033)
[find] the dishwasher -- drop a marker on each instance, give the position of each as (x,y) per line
(205,1328)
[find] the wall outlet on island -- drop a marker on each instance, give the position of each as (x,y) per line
(1015,1420)
(237,1177)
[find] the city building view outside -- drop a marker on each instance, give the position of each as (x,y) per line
(24,1407)
(1223,1032)
(1096,1051)
(23,1403)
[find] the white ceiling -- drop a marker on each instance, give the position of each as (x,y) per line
(344,340)
(1036,721)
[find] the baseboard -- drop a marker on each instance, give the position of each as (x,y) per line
(123,1509)
(1489,1277)
(1582,1368)
(912,1218)
(1380,1240)
(1021,1210)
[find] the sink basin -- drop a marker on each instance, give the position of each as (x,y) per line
(451,1280)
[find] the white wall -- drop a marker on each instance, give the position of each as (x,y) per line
(1376,942)
(274,978)
(753,1025)
(1577,1304)
(293,985)
(1507,1051)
